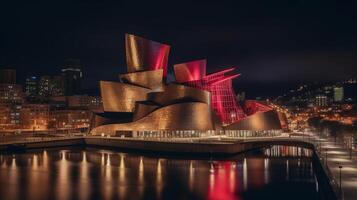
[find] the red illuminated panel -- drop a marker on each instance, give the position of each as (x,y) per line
(223,100)
(144,55)
(219,74)
(190,71)
(250,107)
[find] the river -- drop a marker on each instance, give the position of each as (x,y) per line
(278,172)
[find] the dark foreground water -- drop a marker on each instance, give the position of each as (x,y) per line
(276,173)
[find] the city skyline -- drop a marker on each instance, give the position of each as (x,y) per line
(269,43)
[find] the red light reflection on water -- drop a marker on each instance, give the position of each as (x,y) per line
(223,182)
(227,180)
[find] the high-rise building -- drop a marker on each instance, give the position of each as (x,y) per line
(44,89)
(7,76)
(11,94)
(321,100)
(338,93)
(31,86)
(72,76)
(58,85)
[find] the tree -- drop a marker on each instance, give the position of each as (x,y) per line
(315,122)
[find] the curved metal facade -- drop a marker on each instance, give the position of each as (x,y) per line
(120,97)
(196,102)
(190,71)
(183,116)
(257,122)
(148,79)
(175,93)
(142,109)
(143,54)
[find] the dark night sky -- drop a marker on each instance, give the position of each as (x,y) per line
(277,41)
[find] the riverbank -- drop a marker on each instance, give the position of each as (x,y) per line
(192,146)
(341,161)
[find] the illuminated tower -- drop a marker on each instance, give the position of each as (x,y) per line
(338,93)
(31,86)
(72,76)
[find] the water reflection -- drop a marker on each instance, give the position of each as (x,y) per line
(95,174)
(64,183)
(84,180)
(122,178)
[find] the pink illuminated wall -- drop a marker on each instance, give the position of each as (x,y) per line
(219,84)
(190,71)
(145,55)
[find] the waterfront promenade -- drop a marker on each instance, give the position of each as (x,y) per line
(204,146)
(336,155)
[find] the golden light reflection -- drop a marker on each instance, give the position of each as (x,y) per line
(141,180)
(266,170)
(13,163)
(232,178)
(63,185)
(122,162)
(191,176)
(108,169)
(159,184)
(108,159)
(108,186)
(13,177)
(245,174)
(35,162)
(84,186)
(45,160)
(122,177)
(211,178)
(103,160)
(34,190)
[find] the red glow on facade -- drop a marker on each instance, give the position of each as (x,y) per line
(251,107)
(145,55)
(190,71)
(219,84)
(160,59)
(222,96)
